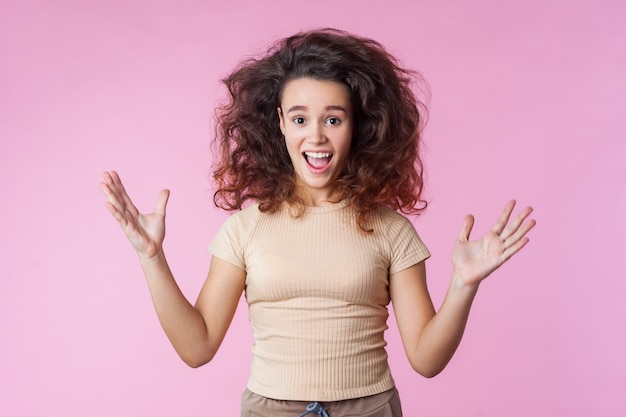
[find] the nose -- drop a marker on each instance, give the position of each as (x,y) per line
(316,134)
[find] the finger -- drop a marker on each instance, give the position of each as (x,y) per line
(116,187)
(113,204)
(125,198)
(112,179)
(110,188)
(162,199)
(106,176)
(513,249)
(466,229)
(117,214)
(113,198)
(499,226)
(519,234)
(516,223)
(124,212)
(110,194)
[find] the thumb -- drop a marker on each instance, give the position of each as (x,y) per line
(161,204)
(466,229)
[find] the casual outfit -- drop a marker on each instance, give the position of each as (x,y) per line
(317,289)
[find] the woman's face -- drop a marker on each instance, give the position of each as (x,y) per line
(316,119)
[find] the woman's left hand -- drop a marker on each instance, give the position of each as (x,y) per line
(474,260)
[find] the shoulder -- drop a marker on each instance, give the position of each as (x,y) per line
(239,226)
(387,220)
(405,246)
(243,218)
(250,221)
(397,230)
(232,238)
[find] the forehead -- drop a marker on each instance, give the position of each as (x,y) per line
(311,92)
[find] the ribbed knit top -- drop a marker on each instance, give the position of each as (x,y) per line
(317,289)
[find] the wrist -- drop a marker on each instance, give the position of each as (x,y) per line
(461,282)
(153,257)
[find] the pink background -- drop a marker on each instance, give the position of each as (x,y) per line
(528,101)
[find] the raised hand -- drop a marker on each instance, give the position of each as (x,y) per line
(144,231)
(474,260)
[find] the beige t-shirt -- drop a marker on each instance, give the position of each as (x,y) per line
(317,289)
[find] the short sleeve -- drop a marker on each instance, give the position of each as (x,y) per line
(407,248)
(230,240)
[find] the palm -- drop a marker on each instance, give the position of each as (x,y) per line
(473,261)
(144,231)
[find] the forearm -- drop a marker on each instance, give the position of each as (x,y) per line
(183,324)
(442,335)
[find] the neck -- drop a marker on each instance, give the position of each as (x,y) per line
(315,198)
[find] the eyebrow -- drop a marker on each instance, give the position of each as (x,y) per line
(303,108)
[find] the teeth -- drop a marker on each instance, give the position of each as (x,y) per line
(318,154)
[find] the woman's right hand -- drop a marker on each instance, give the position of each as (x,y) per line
(144,231)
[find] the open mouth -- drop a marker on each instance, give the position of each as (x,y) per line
(317,160)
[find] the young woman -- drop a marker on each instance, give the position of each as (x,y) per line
(318,153)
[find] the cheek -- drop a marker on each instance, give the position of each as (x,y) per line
(292,146)
(346,143)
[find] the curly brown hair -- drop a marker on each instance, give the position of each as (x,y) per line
(384,165)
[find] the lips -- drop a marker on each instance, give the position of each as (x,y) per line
(317,160)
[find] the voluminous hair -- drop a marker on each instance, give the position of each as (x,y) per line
(384,165)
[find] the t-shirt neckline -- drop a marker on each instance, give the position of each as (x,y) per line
(327,207)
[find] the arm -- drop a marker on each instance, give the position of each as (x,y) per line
(195,331)
(430,339)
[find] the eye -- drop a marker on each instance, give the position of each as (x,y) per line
(298,120)
(333,121)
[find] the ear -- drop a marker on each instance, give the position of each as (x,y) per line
(282,120)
